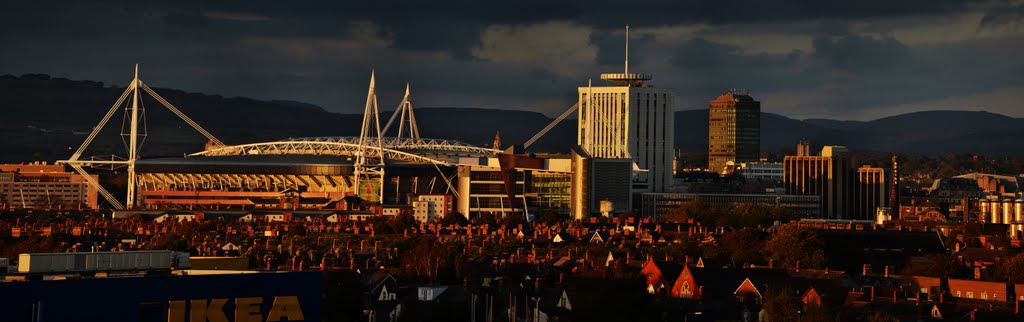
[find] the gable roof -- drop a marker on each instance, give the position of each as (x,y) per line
(669,270)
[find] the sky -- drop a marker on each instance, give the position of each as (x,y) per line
(854,60)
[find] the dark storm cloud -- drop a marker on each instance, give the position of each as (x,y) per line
(455,25)
(701,54)
(710,67)
(187,20)
(1004,15)
(322,52)
(611,49)
(847,75)
(863,53)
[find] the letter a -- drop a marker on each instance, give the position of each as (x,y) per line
(285,307)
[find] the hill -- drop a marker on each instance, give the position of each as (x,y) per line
(46,118)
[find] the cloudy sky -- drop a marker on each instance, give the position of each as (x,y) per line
(802,58)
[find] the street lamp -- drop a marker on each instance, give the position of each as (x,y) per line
(686,318)
(536,308)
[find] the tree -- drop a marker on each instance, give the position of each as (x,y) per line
(780,305)
(880,316)
(552,217)
(1012,268)
(814,312)
(401,222)
(454,219)
(689,210)
(512,220)
(623,217)
(485,219)
(745,245)
(792,243)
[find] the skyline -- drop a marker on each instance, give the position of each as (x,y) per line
(802,60)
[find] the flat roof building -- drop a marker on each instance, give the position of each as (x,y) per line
(826,175)
(656,205)
(43,186)
(629,119)
(870,191)
(734,130)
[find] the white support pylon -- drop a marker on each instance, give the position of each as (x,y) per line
(133,148)
(406,117)
(369,165)
(76,163)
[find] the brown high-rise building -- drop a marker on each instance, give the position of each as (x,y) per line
(803,148)
(734,130)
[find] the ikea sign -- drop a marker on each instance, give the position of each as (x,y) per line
(241,309)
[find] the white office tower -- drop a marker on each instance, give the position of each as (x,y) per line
(628,118)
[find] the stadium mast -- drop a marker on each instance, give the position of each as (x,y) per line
(135,139)
(369,165)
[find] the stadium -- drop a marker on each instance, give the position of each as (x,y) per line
(398,174)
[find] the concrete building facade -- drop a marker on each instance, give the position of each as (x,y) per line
(870,191)
(826,175)
(599,179)
(762,171)
(734,130)
(494,186)
(42,186)
(431,207)
(656,205)
(629,120)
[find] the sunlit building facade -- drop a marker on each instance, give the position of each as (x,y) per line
(734,130)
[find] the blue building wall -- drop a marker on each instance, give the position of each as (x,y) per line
(144,299)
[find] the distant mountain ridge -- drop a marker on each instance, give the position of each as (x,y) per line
(46,118)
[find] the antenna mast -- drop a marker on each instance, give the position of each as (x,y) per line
(625,78)
(627,49)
